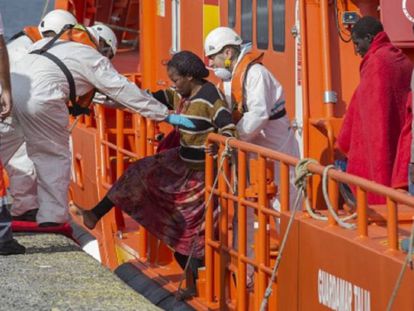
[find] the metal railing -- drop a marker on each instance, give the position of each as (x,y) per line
(219,254)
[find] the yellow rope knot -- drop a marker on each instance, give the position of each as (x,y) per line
(302,172)
(227,149)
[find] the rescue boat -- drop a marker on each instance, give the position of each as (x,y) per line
(309,264)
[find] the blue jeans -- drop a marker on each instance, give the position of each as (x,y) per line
(410,180)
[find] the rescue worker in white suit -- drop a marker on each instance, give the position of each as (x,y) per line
(40,114)
(8,245)
(258,104)
(19,167)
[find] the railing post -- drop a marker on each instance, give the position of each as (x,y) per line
(120,165)
(362,220)
(333,195)
(209,251)
(107,241)
(392,223)
(261,252)
(141,147)
(223,227)
(242,236)
(284,187)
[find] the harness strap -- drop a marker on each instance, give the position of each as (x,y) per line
(76,109)
(65,70)
(278,115)
(17,35)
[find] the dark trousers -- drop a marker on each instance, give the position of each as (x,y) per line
(5,224)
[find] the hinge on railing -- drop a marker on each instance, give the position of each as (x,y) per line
(294,31)
(297,126)
(330,97)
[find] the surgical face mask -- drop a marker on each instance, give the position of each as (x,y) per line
(223,74)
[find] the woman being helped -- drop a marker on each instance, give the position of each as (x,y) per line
(165,192)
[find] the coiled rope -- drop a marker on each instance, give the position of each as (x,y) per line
(341,221)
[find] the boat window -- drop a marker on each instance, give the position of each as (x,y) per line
(247,20)
(262,27)
(278,12)
(232,13)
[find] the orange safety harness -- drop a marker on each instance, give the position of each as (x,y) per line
(2,182)
(238,81)
(31,32)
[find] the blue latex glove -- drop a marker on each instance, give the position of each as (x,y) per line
(180,120)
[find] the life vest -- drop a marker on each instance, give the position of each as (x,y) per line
(238,82)
(2,182)
(80,34)
(33,33)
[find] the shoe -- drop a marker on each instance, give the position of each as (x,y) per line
(11,247)
(49,224)
(28,216)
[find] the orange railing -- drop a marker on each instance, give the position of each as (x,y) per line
(220,256)
(123,137)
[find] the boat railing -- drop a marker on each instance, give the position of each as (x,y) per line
(225,262)
(123,137)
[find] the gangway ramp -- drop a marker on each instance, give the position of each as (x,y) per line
(55,274)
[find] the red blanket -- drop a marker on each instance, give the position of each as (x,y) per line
(376,113)
(402,159)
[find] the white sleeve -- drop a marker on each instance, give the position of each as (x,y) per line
(109,82)
(262,91)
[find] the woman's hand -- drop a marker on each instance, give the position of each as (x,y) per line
(212,149)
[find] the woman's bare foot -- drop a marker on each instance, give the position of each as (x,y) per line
(89,219)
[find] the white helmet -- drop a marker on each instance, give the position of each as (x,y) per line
(55,20)
(218,38)
(94,34)
(107,35)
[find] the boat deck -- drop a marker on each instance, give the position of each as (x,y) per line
(55,274)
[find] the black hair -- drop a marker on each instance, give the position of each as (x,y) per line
(188,64)
(367,25)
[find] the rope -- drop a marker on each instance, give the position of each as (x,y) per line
(44,11)
(226,153)
(302,173)
(341,221)
(408,260)
(74,123)
(405,11)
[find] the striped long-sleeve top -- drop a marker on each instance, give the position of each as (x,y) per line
(208,111)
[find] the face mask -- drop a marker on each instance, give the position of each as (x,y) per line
(223,73)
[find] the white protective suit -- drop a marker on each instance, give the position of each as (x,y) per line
(41,119)
(19,167)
